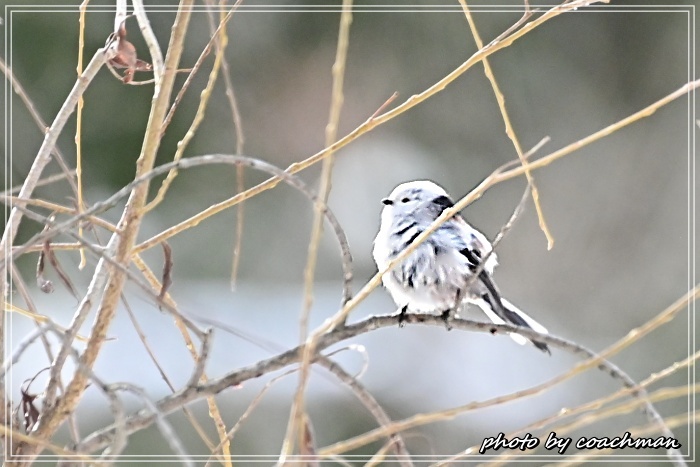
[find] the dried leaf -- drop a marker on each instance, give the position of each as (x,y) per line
(307,444)
(167,270)
(126,56)
(30,412)
(43,283)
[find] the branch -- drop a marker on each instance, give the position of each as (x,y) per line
(121,245)
(295,424)
(48,146)
(187,395)
(150,38)
(368,400)
(190,162)
(493,179)
(41,125)
(371,123)
(506,119)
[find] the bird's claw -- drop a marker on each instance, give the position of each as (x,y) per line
(447,317)
(402,316)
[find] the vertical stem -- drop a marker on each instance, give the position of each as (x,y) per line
(79,128)
(338,71)
(122,243)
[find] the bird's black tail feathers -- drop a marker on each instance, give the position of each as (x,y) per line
(510,316)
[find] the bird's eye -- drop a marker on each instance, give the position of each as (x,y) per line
(405,200)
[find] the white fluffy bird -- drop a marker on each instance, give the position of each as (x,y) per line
(438,276)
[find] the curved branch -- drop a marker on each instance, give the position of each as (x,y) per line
(187,395)
(197,161)
(368,400)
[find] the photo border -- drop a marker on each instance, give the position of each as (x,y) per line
(688,9)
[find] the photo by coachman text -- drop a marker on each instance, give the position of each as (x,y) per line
(561,444)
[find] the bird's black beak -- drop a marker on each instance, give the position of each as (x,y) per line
(387,202)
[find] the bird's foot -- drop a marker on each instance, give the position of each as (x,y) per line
(402,316)
(447,317)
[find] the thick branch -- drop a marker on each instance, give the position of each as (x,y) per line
(168,404)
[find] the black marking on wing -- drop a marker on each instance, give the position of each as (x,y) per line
(410,274)
(405,229)
(474,258)
(399,249)
(413,237)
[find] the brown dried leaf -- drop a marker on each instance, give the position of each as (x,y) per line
(167,279)
(42,282)
(126,56)
(307,443)
(30,412)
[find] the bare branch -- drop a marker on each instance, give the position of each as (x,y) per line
(373,121)
(296,424)
(368,400)
(65,226)
(48,146)
(172,402)
(67,173)
(150,38)
(119,247)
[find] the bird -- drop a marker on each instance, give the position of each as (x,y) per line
(439,275)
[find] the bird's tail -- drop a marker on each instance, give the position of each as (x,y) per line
(512,315)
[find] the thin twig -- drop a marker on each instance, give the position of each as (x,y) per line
(95,289)
(56,208)
(384,105)
(142,337)
(47,147)
(164,426)
(364,128)
(120,14)
(18,437)
(196,67)
(23,345)
(395,439)
(119,247)
(506,119)
(201,109)
(117,407)
(249,410)
(79,120)
(43,182)
(295,426)
(511,221)
(182,164)
(67,172)
(240,141)
(150,38)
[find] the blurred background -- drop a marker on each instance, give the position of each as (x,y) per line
(618,209)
